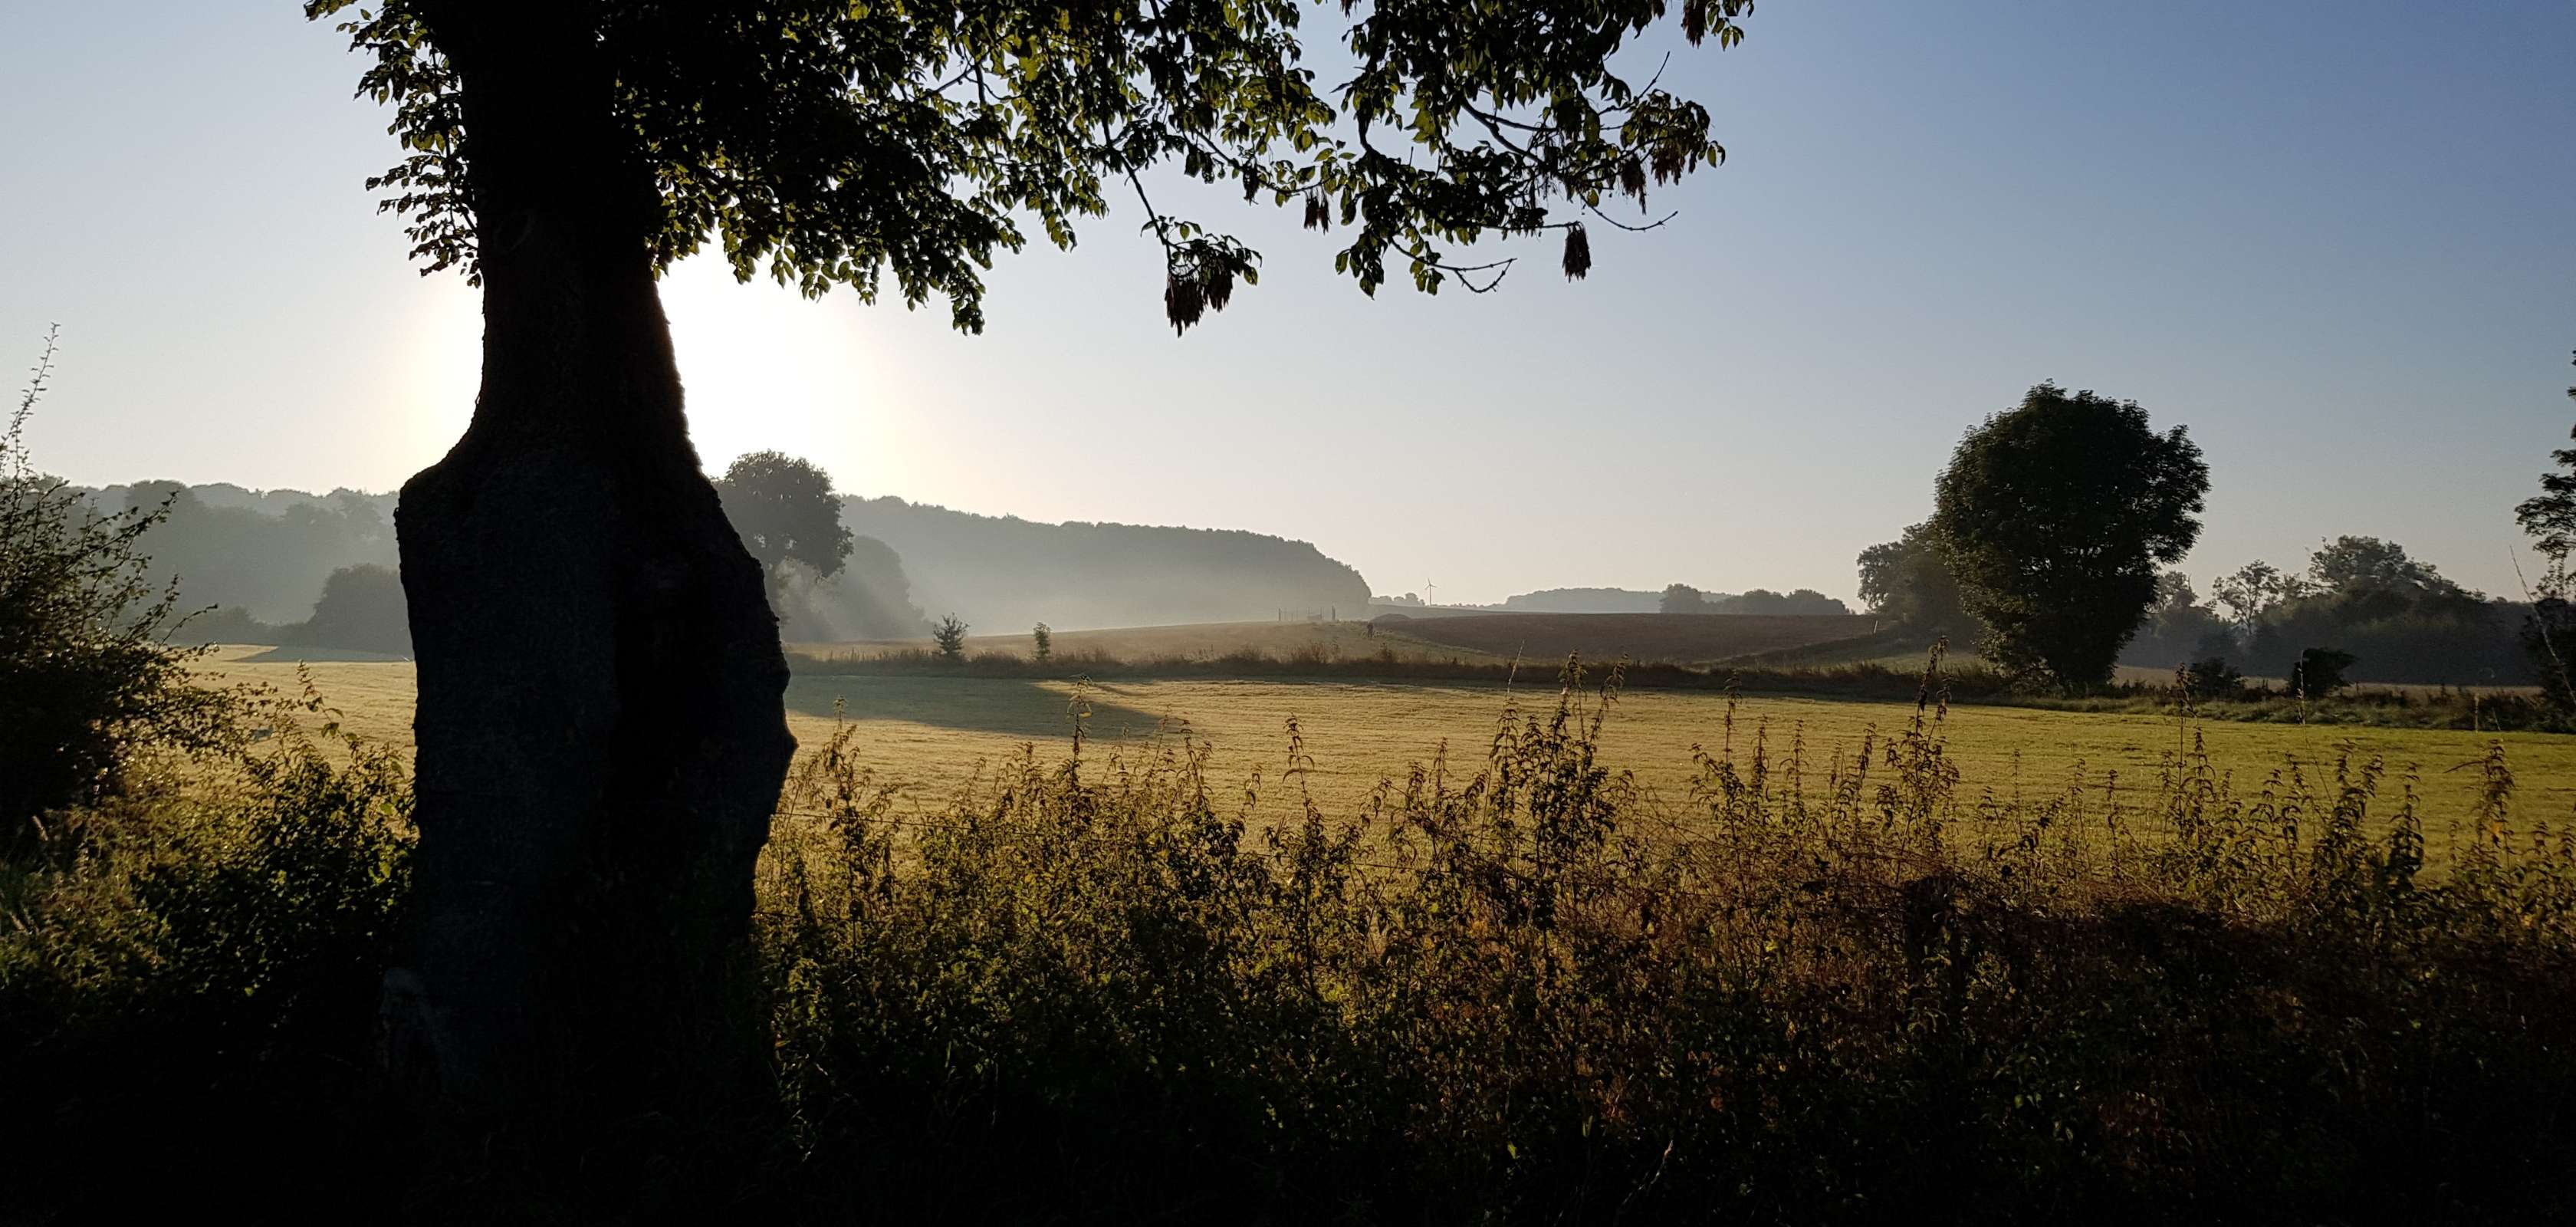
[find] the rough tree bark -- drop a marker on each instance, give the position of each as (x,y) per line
(600,732)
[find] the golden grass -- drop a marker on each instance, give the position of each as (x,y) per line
(934,733)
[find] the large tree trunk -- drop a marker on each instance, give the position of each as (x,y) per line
(600,731)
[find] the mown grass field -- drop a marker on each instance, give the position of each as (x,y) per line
(933,734)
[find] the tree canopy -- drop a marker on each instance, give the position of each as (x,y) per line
(2367,564)
(786,511)
(2549,517)
(2055,515)
(828,143)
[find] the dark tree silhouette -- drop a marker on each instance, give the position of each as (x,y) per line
(2054,517)
(2319,672)
(786,512)
(2367,564)
(2403,619)
(600,730)
(2549,634)
(2550,517)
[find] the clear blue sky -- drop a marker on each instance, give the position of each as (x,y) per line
(2334,239)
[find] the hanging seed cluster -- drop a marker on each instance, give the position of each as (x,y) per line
(1191,289)
(1578,252)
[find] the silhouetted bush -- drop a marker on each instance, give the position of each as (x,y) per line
(194,979)
(88,676)
(2320,671)
(2213,678)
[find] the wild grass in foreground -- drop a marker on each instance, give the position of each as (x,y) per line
(1515,990)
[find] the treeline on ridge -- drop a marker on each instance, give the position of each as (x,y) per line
(295,568)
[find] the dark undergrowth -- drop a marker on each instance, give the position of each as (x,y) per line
(1512,990)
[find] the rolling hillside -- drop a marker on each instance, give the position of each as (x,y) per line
(1003,573)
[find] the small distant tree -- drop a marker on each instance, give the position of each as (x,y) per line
(88,676)
(950,635)
(2055,515)
(1683,599)
(1044,640)
(786,512)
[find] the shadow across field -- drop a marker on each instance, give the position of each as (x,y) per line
(1016,707)
(322,655)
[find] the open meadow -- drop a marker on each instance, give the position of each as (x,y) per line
(933,735)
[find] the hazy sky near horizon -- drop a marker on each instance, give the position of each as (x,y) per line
(2333,239)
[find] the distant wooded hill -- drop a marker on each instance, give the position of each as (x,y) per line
(264,554)
(263,558)
(1002,573)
